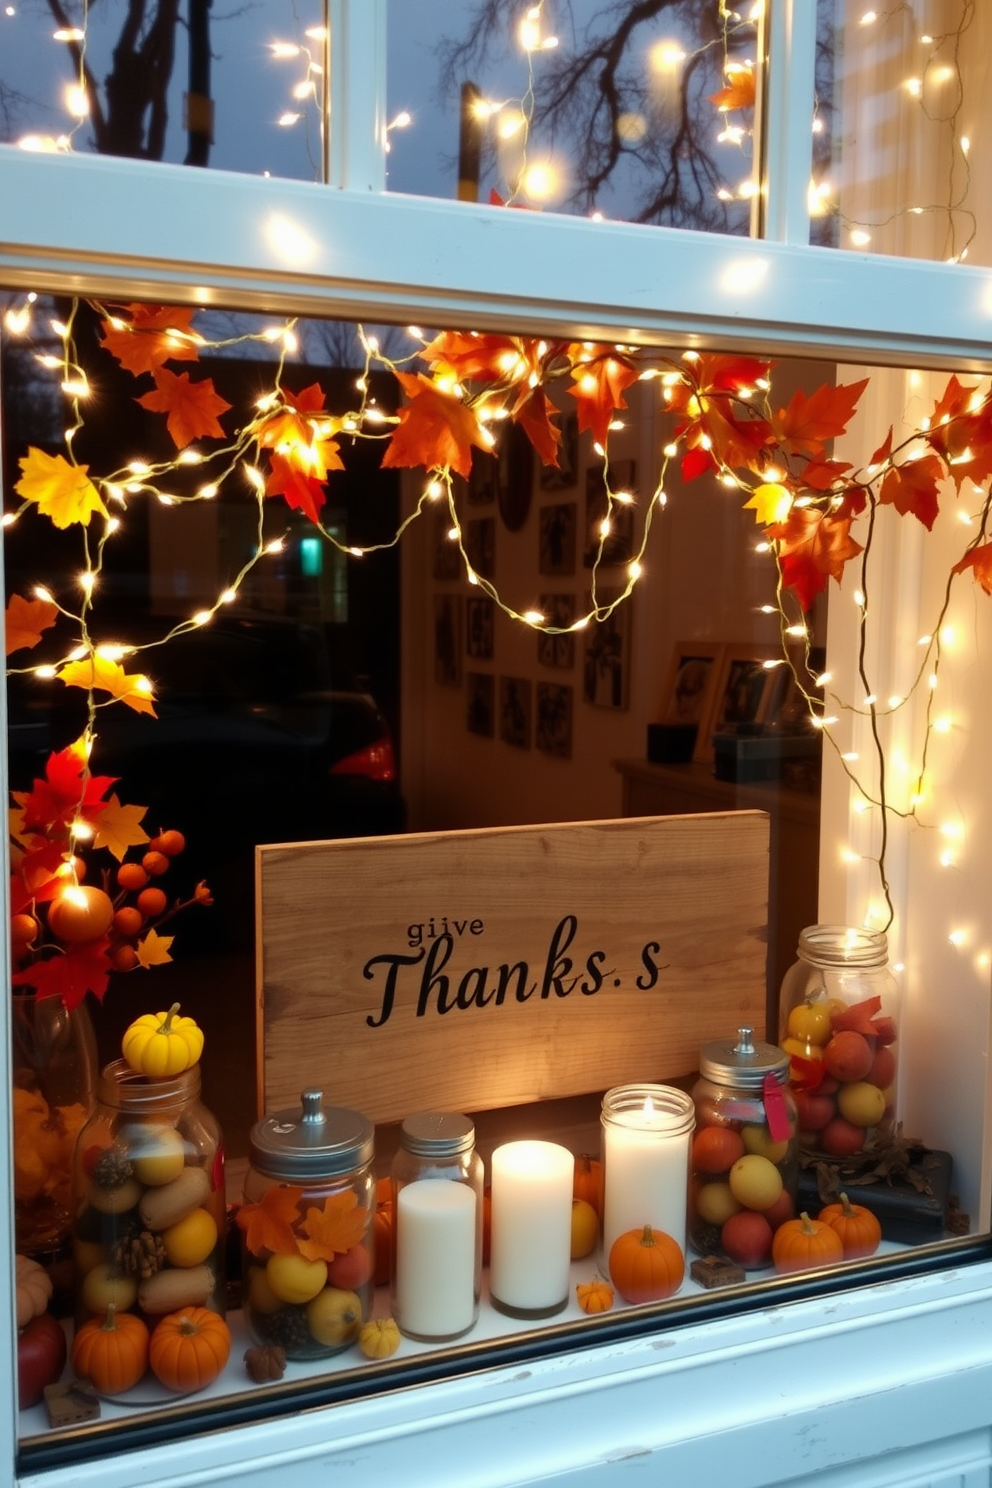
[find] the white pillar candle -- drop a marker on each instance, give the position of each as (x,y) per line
(647,1134)
(529,1269)
(435,1258)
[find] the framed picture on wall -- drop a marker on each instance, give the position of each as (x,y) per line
(557,650)
(447,557)
(481,713)
(482,479)
(515,705)
(606,666)
(553,727)
(566,473)
(618,545)
(447,640)
(480,546)
(745,688)
(479,627)
(688,694)
(556,551)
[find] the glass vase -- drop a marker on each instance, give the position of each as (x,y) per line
(54,1073)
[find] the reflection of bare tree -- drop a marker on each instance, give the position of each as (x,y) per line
(594,95)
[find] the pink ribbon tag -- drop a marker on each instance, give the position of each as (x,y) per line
(775,1112)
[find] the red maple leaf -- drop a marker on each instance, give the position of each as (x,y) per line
(436,429)
(913,488)
(697,461)
(719,372)
(823,475)
(302,492)
(192,407)
(64,793)
(146,341)
(85,967)
(804,427)
(812,547)
(601,375)
(980,561)
(534,414)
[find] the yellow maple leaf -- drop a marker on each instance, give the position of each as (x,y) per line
(105,675)
(770,503)
(119,827)
(62,491)
(153,949)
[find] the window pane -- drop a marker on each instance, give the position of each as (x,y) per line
(903,98)
(238,91)
(642,114)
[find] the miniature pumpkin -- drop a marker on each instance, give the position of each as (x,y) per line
(646,1265)
(189,1348)
(859,1230)
(594,1296)
(379,1338)
(111,1352)
(162,1044)
(588,1181)
(34,1288)
(803,1243)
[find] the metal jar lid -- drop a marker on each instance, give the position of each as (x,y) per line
(742,1062)
(437,1134)
(315,1141)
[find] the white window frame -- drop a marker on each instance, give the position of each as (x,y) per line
(120,229)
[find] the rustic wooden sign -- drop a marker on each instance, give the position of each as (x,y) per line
(476,969)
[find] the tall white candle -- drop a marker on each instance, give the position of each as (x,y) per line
(435,1258)
(647,1134)
(529,1269)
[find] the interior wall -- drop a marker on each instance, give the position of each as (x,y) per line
(703,580)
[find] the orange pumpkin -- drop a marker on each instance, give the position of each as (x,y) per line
(189,1348)
(859,1230)
(594,1296)
(588,1181)
(802,1244)
(384,1231)
(111,1352)
(646,1265)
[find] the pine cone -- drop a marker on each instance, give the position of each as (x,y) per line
(140,1255)
(112,1168)
(265,1363)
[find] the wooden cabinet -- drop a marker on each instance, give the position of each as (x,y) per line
(680,790)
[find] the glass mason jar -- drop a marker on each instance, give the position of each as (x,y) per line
(437,1181)
(54,1060)
(839,1023)
(745,1151)
(308,1257)
(647,1132)
(149,1226)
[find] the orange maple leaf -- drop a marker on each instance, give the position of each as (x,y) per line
(812,546)
(913,488)
(150,337)
(808,422)
(535,414)
(600,379)
(98,672)
(333,1229)
(290,423)
(739,92)
(268,1225)
(25,620)
(436,429)
(192,407)
(979,560)
(473,357)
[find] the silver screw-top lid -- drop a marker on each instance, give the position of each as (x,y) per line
(437,1134)
(743,1062)
(314,1141)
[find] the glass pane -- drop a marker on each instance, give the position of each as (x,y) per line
(236,91)
(904,101)
(639,113)
(238,551)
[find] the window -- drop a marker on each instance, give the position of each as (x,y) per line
(117,229)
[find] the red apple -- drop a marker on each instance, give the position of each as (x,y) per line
(841,1139)
(41,1355)
(814,1110)
(747,1238)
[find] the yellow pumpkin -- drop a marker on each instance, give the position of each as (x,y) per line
(161,1044)
(379,1338)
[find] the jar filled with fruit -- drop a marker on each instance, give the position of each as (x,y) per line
(839,1026)
(148,1233)
(308,1257)
(744,1161)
